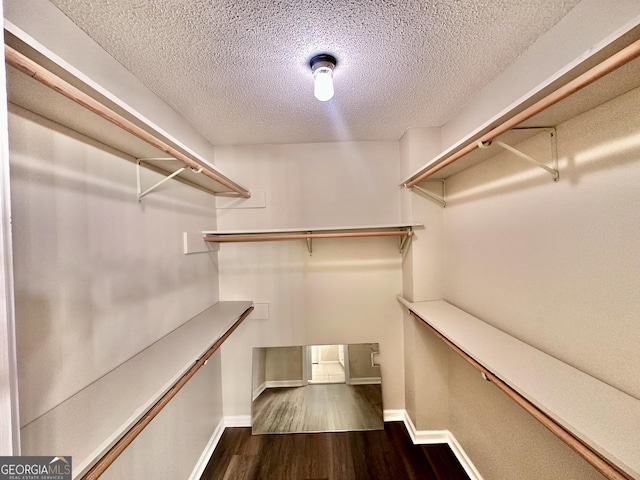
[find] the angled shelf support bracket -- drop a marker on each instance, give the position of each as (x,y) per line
(404,241)
(153,187)
(166,179)
(433,196)
(310,244)
(147,163)
(553,171)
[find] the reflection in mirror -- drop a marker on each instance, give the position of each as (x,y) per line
(316,388)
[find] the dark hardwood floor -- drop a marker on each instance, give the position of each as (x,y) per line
(318,408)
(380,454)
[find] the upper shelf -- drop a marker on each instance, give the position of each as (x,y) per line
(404,231)
(38,84)
(605,75)
(110,406)
(602,417)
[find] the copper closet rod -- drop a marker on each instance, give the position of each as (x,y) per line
(607,66)
(114,452)
(299,236)
(599,463)
(44,76)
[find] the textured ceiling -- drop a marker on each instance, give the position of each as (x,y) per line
(238,70)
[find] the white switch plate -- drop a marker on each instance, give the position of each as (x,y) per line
(193,242)
(260,311)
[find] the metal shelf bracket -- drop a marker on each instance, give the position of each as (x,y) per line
(404,241)
(141,194)
(441,200)
(310,244)
(153,187)
(553,171)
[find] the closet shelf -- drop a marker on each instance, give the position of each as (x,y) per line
(107,409)
(403,231)
(48,89)
(598,421)
(605,75)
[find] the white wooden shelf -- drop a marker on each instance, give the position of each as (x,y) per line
(621,80)
(600,416)
(105,410)
(67,101)
(403,231)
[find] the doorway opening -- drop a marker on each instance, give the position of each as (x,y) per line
(326,364)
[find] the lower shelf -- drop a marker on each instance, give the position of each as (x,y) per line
(602,417)
(86,425)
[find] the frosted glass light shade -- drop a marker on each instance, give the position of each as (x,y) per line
(323,83)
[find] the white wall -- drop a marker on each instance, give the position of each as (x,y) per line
(554,264)
(98,276)
(345,292)
(315,184)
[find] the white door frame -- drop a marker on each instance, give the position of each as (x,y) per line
(307,372)
(9,415)
(347,376)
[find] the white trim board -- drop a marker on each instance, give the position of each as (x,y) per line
(207,453)
(463,458)
(424,437)
(366,381)
(393,415)
(427,437)
(259,389)
(284,383)
(237,421)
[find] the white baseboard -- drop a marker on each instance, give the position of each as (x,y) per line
(275,384)
(425,437)
(365,381)
(256,393)
(463,458)
(284,383)
(198,470)
(393,415)
(237,421)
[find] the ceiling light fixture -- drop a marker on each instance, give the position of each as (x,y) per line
(322,67)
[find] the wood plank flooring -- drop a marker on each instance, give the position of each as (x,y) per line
(379,454)
(318,408)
